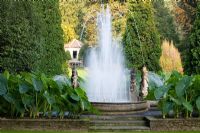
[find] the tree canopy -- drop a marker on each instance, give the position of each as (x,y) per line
(141,39)
(31,36)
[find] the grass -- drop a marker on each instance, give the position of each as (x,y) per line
(81,72)
(90,132)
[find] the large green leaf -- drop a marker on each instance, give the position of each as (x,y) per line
(175,100)
(188,106)
(19,107)
(50,99)
(9,98)
(87,105)
(54,88)
(27,77)
(80,92)
(198,103)
(38,85)
(27,100)
(24,87)
(44,80)
(3,85)
(182,85)
(167,106)
(161,91)
(174,78)
(74,97)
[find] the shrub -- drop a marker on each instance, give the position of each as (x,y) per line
(170,59)
(31,94)
(180,93)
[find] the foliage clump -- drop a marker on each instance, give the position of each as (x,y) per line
(36,95)
(179,96)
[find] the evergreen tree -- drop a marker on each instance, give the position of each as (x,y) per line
(141,39)
(31,38)
(54,54)
(192,54)
(165,22)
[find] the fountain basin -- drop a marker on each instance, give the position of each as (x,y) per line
(121,108)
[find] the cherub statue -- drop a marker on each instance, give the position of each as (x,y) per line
(144,83)
(74,78)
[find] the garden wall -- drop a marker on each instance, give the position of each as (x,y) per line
(44,124)
(172,124)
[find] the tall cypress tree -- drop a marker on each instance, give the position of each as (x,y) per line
(53,55)
(141,39)
(165,22)
(31,36)
(192,54)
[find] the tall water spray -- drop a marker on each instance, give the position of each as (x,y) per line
(107,78)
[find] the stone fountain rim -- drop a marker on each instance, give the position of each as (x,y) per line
(138,102)
(121,108)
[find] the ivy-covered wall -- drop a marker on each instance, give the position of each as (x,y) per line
(31,38)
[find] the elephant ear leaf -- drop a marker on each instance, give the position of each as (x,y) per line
(38,85)
(50,99)
(198,103)
(188,106)
(24,87)
(75,97)
(175,100)
(3,85)
(9,98)
(167,107)
(161,91)
(182,85)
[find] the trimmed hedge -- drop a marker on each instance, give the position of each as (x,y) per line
(31,36)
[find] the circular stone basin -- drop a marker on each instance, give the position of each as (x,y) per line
(121,108)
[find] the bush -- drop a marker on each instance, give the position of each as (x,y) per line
(180,94)
(31,94)
(170,59)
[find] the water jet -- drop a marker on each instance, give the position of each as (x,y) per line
(108,84)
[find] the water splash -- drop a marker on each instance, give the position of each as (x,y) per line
(155,79)
(107,80)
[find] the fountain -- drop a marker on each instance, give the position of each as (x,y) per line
(108,85)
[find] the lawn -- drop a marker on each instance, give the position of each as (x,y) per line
(89,132)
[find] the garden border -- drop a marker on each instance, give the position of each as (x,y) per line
(173,124)
(44,124)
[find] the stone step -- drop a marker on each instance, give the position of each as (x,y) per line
(118,128)
(118,123)
(154,109)
(114,117)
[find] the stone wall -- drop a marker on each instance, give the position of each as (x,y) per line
(44,124)
(172,124)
